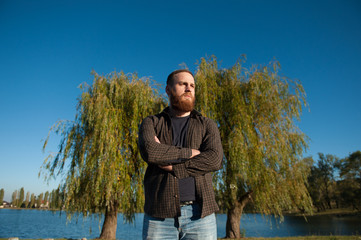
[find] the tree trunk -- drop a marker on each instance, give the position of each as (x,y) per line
(234,217)
(110,222)
(233,221)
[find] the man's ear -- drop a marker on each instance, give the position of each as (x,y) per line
(167,90)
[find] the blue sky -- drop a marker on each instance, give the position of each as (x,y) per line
(48,48)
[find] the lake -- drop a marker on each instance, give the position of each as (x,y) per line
(46,224)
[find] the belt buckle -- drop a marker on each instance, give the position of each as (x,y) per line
(185,203)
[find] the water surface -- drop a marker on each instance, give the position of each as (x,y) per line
(46,224)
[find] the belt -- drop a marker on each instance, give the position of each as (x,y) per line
(185,203)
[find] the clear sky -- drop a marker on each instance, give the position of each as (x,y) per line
(48,48)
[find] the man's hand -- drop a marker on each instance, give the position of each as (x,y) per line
(195,153)
(167,168)
(156,139)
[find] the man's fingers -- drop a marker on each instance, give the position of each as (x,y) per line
(195,152)
(168,168)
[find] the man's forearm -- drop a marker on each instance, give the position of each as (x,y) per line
(169,168)
(156,153)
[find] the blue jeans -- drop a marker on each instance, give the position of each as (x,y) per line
(188,226)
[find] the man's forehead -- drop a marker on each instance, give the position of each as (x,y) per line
(184,77)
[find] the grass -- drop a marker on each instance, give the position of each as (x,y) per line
(276,238)
(312,238)
(306,238)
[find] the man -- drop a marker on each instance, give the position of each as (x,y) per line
(182,149)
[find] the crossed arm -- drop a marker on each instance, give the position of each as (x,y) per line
(184,162)
(169,168)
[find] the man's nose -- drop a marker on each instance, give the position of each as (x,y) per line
(188,89)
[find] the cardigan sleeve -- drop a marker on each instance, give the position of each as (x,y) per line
(156,153)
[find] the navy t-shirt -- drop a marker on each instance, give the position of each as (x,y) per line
(187,191)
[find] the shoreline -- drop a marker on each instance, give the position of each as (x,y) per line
(339,212)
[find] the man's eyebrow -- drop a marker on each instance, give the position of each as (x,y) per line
(183,82)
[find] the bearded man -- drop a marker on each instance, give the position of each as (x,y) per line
(182,149)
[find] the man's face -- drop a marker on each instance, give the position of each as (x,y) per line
(182,92)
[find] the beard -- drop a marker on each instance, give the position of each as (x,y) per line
(181,103)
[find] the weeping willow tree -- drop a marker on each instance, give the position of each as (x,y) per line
(256,111)
(98,153)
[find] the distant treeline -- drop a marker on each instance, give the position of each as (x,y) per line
(332,183)
(47,200)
